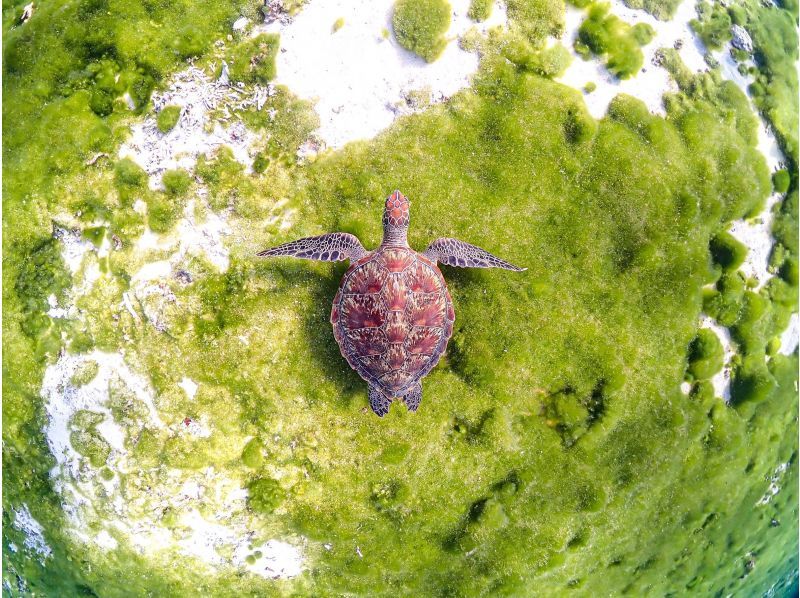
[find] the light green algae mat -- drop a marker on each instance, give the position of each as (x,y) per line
(202,435)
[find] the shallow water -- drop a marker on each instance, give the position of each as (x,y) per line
(180,419)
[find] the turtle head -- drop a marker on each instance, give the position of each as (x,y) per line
(395,219)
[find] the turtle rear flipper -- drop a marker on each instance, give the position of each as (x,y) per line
(378,401)
(464,255)
(331,247)
(413,397)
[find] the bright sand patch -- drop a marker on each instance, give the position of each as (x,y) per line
(357,75)
(223,536)
(33,530)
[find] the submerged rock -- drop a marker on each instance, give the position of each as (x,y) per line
(741,40)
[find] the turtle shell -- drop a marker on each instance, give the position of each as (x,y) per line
(392,318)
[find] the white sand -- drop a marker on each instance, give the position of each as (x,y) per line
(357,77)
(278,560)
(204,236)
(790,336)
(756,235)
(152,271)
(73,247)
(105,540)
(62,400)
(722,379)
(205,538)
(197,95)
(189,386)
(33,530)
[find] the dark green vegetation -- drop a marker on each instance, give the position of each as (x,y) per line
(781,181)
(727,252)
(420,26)
(605,34)
(555,422)
(705,355)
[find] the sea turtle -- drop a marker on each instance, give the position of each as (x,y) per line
(392,315)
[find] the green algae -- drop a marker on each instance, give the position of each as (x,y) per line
(419,26)
(176,182)
(723,303)
(85,438)
(164,209)
(440,502)
(285,122)
(536,19)
(126,409)
(548,62)
(167,118)
(265,495)
(252,455)
(479,10)
(42,274)
(222,174)
(253,60)
(606,35)
(727,251)
(705,355)
(712,25)
(660,9)
(775,89)
(130,181)
(781,181)
(85,374)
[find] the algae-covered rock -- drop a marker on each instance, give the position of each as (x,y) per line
(607,35)
(85,373)
(705,355)
(420,25)
(253,60)
(480,10)
(167,118)
(727,251)
(265,495)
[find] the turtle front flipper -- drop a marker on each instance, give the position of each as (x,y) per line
(378,401)
(413,397)
(459,253)
(331,247)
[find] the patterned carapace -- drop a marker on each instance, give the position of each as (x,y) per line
(392,315)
